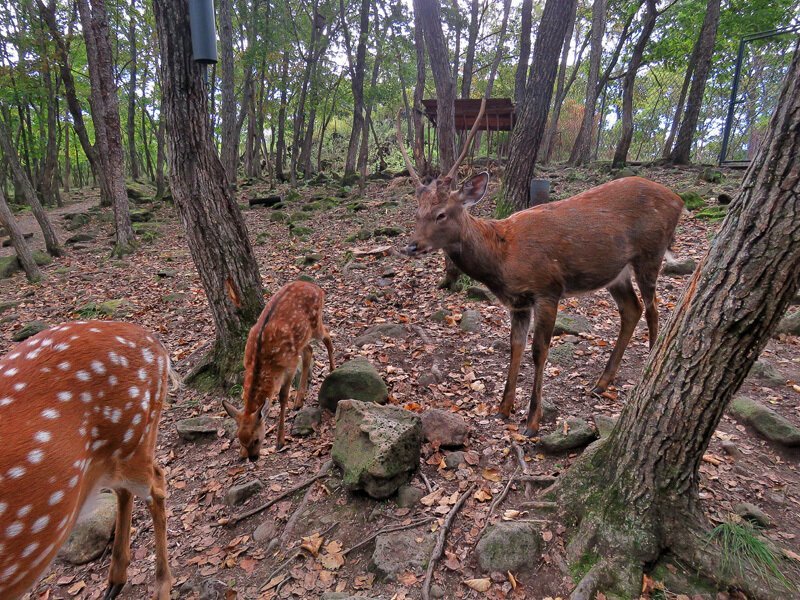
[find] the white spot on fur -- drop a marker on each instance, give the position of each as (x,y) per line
(83,375)
(64,366)
(128,436)
(112,380)
(14,529)
(137,418)
(86,397)
(55,498)
(6,401)
(61,347)
(33,354)
(133,392)
(40,523)
(42,436)
(29,549)
(16,472)
(24,510)
(98,367)
(20,386)
(11,372)
(64,396)
(50,413)
(147,354)
(35,456)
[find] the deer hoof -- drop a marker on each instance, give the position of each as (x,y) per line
(113,590)
(597,391)
(502,417)
(530,432)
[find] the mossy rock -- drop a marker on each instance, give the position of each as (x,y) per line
(356,379)
(42,258)
(262,237)
(711,175)
(6,305)
(692,200)
(298,217)
(141,215)
(356,206)
(388,231)
(562,355)
(360,235)
(713,213)
(299,230)
(307,278)
(766,421)
(571,324)
(790,324)
(624,172)
(28,330)
(509,546)
(8,266)
(291,196)
(139,193)
(108,308)
(278,217)
(578,435)
(75,220)
(80,237)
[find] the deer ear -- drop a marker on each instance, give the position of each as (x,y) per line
(474,189)
(231,410)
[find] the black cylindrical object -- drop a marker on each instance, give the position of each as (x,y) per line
(204,33)
(540,192)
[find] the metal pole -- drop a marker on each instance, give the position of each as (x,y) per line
(726,134)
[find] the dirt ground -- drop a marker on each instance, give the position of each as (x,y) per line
(210,561)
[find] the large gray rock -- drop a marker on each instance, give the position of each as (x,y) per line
(790,324)
(91,535)
(605,424)
(242,492)
(571,324)
(470,321)
(377,447)
(562,355)
(751,512)
(306,421)
(679,267)
(766,421)
(8,266)
(766,371)
(376,332)
(408,496)
(400,551)
(198,428)
(29,330)
(509,547)
(578,435)
(356,379)
(444,428)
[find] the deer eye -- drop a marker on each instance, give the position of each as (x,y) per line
(441,217)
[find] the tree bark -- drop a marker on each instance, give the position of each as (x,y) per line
(469,59)
(532,115)
(581,151)
(676,120)
(229,152)
(624,143)
(420,161)
(357,68)
(280,144)
(24,254)
(132,157)
(634,496)
(521,74)
(215,230)
(49,179)
(681,153)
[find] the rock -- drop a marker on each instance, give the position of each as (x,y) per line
(731,449)
(444,428)
(138,192)
(752,513)
(766,371)
(377,447)
(766,421)
(408,496)
(476,292)
(375,332)
(90,536)
(75,220)
(8,266)
(453,459)
(306,421)
(579,434)
(198,428)
(679,267)
(356,379)
(470,321)
(7,242)
(724,199)
(431,376)
(400,551)
(713,213)
(624,172)
(163,273)
(549,411)
(711,175)
(692,200)
(388,231)
(437,591)
(141,215)
(439,315)
(277,217)
(6,305)
(264,201)
(790,324)
(42,258)
(571,324)
(604,424)
(265,532)
(562,355)
(108,308)
(239,493)
(80,237)
(307,278)
(509,546)
(29,330)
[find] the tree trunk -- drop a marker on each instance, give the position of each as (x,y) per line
(532,115)
(67,179)
(280,145)
(581,151)
(521,75)
(229,152)
(357,68)
(676,120)
(160,157)
(24,254)
(215,230)
(420,162)
(681,153)
(634,497)
(29,194)
(105,115)
(624,143)
(49,181)
(469,59)
(132,157)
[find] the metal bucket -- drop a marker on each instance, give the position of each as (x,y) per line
(204,35)
(539,192)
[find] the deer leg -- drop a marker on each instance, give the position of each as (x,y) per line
(630,310)
(451,275)
(326,339)
(121,552)
(158,512)
(545,312)
(308,361)
(646,278)
(283,398)
(520,320)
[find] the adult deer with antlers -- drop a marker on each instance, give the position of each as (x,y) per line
(79,410)
(532,259)
(276,343)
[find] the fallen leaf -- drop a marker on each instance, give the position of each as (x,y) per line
(248,565)
(512,580)
(431,498)
(312,544)
(482,495)
(511,514)
(332,562)
(492,474)
(407,578)
(792,555)
(547,536)
(76,588)
(479,585)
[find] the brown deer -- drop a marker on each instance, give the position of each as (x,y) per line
(537,256)
(79,410)
(282,334)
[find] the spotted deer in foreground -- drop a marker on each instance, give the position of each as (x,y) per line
(537,256)
(275,345)
(79,410)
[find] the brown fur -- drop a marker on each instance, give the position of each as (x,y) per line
(276,343)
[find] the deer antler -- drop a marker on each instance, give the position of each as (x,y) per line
(402,145)
(454,169)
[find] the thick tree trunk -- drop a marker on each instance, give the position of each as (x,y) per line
(160,157)
(49,181)
(469,59)
(581,151)
(131,125)
(229,152)
(634,496)
(681,153)
(215,230)
(24,254)
(624,143)
(521,75)
(676,120)
(532,115)
(67,178)
(357,68)
(280,144)
(105,115)
(420,161)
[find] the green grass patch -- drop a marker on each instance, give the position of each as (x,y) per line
(712,213)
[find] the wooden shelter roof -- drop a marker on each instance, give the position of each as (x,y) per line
(499,114)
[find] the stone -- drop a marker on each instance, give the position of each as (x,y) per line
(731,449)
(6,305)
(470,321)
(724,199)
(309,259)
(401,551)
(80,237)
(509,546)
(42,258)
(163,273)
(571,324)
(454,459)
(375,332)
(198,428)
(242,492)
(476,292)
(579,434)
(9,265)
(356,379)
(90,536)
(692,200)
(265,532)
(711,175)
(138,192)
(75,220)
(439,315)
(549,411)
(277,217)
(264,201)
(7,243)
(679,267)
(562,355)
(766,371)
(141,215)
(752,513)
(624,172)
(437,591)
(712,213)
(790,324)
(444,428)
(29,330)
(408,496)
(306,421)
(109,308)
(604,424)
(431,376)
(305,277)
(766,421)
(377,447)
(388,231)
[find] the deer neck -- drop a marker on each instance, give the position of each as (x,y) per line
(478,251)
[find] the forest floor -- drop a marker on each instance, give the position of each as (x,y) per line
(161,291)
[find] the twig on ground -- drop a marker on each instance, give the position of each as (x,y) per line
(522,465)
(323,471)
(496,502)
(427,481)
(540,480)
(438,550)
(541,504)
(295,554)
(422,335)
(389,529)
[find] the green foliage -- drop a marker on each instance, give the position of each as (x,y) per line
(712,213)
